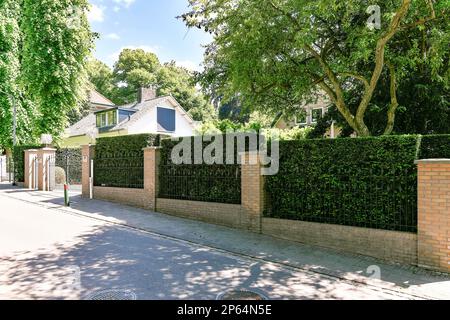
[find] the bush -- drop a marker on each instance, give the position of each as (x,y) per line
(119,161)
(435,146)
(199,182)
(367,182)
(60,175)
(19,160)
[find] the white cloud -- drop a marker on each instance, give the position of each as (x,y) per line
(116,9)
(96,13)
(113,36)
(125,3)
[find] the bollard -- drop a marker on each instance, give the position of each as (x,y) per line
(66,195)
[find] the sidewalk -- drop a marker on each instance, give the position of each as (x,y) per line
(408,280)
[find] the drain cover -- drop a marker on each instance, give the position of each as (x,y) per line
(242,294)
(112,295)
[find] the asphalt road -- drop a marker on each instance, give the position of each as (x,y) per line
(50,254)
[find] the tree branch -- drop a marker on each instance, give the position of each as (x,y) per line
(379,59)
(358,77)
(423,20)
(394,102)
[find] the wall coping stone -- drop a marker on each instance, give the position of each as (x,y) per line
(433,161)
(151,148)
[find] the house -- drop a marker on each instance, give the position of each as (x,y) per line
(98,101)
(308,116)
(150,114)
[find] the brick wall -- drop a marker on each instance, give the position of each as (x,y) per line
(387,245)
(133,197)
(434,214)
(230,215)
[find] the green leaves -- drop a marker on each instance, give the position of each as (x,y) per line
(54,59)
(260,50)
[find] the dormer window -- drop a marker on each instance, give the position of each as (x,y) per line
(165,119)
(106,118)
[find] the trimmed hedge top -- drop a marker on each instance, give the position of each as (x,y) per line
(125,146)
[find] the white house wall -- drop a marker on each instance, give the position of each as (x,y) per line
(148,124)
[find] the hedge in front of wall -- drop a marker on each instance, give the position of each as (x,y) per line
(219,183)
(119,161)
(435,147)
(19,160)
(366,182)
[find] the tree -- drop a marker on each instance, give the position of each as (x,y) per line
(179,82)
(56,43)
(424,108)
(277,53)
(134,69)
(10,91)
(137,68)
(101,77)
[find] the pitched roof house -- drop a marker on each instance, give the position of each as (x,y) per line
(98,101)
(310,113)
(150,114)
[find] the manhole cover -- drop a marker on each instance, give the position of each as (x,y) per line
(242,294)
(112,295)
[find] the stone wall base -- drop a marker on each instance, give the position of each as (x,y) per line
(133,197)
(229,215)
(392,246)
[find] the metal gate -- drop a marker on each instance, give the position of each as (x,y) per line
(68,166)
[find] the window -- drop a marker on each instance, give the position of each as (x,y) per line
(300,117)
(106,119)
(316,114)
(166,119)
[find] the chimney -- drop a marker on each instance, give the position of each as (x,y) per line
(145,94)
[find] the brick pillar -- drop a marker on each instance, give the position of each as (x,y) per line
(434,214)
(30,174)
(45,176)
(252,191)
(151,165)
(87,151)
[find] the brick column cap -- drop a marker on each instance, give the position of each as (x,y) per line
(432,161)
(48,149)
(31,150)
(151,148)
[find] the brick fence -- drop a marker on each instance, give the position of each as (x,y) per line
(429,248)
(434,214)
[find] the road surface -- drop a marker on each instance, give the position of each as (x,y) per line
(52,254)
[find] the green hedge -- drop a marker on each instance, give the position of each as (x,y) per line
(199,182)
(119,161)
(435,146)
(19,160)
(367,182)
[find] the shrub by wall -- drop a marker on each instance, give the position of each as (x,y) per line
(435,146)
(19,160)
(119,161)
(366,182)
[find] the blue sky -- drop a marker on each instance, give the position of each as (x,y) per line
(147,24)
